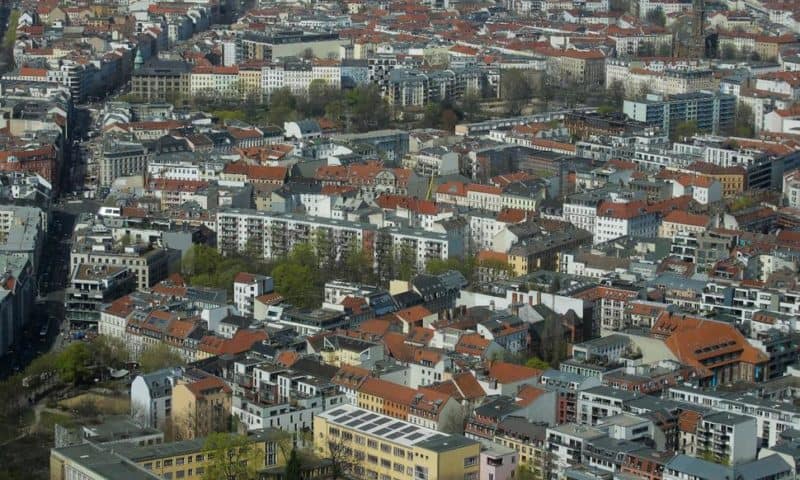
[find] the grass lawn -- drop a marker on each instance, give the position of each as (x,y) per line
(103,404)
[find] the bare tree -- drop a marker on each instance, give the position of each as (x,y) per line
(453,422)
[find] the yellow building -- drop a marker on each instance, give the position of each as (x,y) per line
(186,459)
(200,408)
(383,447)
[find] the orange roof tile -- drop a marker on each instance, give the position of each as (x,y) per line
(505,372)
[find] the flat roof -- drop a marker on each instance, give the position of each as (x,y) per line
(393,430)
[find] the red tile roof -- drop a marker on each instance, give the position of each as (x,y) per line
(505,372)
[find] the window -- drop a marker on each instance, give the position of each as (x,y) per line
(179,461)
(200,470)
(198,458)
(168,463)
(372,444)
(148,466)
(470,461)
(180,473)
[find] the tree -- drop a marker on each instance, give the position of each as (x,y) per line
(744,125)
(553,347)
(729,52)
(465,265)
(453,422)
(282,107)
(617,93)
(657,17)
(537,363)
(343,460)
(293,466)
(73,363)
(230,457)
(470,105)
(407,263)
(158,356)
(298,277)
(619,5)
(685,130)
(109,351)
(515,90)
(365,109)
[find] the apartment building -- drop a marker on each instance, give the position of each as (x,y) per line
(201,407)
(149,264)
(151,397)
(93,286)
(597,403)
(160,80)
(773,417)
(184,459)
(567,444)
(247,287)
(275,234)
(727,437)
(118,158)
(385,447)
(617,219)
(712,112)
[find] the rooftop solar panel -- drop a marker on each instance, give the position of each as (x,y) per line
(382,420)
(414,436)
(382,431)
(409,428)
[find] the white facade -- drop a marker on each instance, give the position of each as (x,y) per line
(151,397)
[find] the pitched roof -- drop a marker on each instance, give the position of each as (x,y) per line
(208,385)
(686,218)
(505,372)
(388,391)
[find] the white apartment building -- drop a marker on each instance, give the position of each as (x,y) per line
(151,396)
(729,437)
(222,81)
(772,417)
(567,443)
(298,77)
(185,170)
(276,234)
(248,286)
(791,188)
(632,219)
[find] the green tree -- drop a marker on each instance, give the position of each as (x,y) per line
(537,363)
(515,90)
(109,351)
(365,109)
(729,52)
(158,356)
(470,105)
(657,17)
(407,263)
(685,130)
(619,5)
(356,264)
(231,457)
(298,277)
(466,266)
(744,125)
(282,107)
(616,93)
(73,363)
(293,466)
